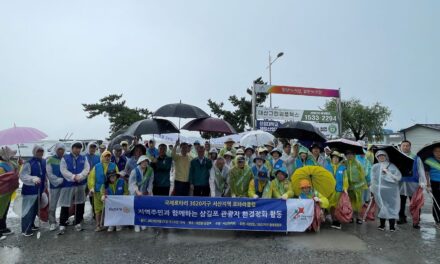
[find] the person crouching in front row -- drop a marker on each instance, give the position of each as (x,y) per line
(114,185)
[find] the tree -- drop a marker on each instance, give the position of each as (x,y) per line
(360,121)
(241,117)
(119,115)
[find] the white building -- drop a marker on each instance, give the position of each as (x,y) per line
(421,134)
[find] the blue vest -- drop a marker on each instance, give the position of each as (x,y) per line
(5,166)
(93,160)
(415,173)
(57,172)
(257,174)
(434,173)
(75,166)
(121,163)
(299,163)
(278,165)
(100,176)
(38,168)
(339,176)
(120,184)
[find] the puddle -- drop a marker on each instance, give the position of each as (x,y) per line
(428,233)
(10,255)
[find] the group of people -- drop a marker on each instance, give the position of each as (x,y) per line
(69,176)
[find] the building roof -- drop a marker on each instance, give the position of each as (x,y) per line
(430,126)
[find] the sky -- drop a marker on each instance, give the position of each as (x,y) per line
(56,55)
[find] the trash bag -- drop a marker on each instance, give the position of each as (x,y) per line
(417,202)
(44,207)
(344,211)
(8,182)
(368,211)
(316,223)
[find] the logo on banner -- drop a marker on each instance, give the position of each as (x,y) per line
(298,212)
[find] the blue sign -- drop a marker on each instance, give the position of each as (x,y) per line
(268,125)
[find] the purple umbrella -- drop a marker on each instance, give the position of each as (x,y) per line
(18,135)
(210,124)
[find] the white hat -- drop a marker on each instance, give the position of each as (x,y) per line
(239,152)
(213,150)
(143,158)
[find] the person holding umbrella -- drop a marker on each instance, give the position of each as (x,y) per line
(259,185)
(385,178)
(433,174)
(280,186)
(229,143)
(182,162)
(239,177)
(56,181)
(33,176)
(356,183)
(199,173)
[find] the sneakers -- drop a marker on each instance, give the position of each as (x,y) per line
(111,229)
(336,225)
(62,230)
(392,229)
(137,229)
(6,232)
(118,228)
(359,221)
(28,234)
(381,228)
(78,228)
(35,228)
(53,227)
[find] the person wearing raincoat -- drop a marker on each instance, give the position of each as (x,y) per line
(218,179)
(137,151)
(302,160)
(97,177)
(385,178)
(337,168)
(307,192)
(33,176)
(280,187)
(229,159)
(366,165)
(75,169)
(249,155)
(119,159)
(433,174)
(56,182)
(114,185)
(316,156)
(229,143)
(356,183)
(7,165)
(259,186)
(212,154)
(141,181)
(239,177)
(93,158)
(276,162)
(410,183)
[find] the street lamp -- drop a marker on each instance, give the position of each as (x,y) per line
(270,72)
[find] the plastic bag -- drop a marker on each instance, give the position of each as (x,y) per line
(344,211)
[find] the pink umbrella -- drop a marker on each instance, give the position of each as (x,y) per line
(18,135)
(210,124)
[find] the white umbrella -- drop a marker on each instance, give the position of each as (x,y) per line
(256,138)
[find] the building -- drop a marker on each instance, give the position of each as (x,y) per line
(421,134)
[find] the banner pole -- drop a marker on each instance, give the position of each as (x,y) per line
(254,106)
(340,113)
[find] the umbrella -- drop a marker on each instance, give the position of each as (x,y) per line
(342,145)
(299,130)
(256,138)
(417,202)
(180,110)
(403,162)
(18,135)
(151,126)
(321,179)
(119,139)
(426,151)
(210,124)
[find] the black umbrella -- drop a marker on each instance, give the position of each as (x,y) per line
(180,110)
(299,130)
(403,162)
(151,126)
(343,145)
(426,151)
(119,139)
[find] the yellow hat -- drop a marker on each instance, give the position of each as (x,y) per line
(304,183)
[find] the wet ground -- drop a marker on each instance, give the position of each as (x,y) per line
(353,244)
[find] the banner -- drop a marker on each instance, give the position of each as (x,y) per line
(296,115)
(275,215)
(295,90)
(268,125)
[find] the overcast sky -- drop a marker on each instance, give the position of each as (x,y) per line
(55,55)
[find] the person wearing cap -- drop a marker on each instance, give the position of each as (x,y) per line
(33,176)
(276,162)
(302,160)
(229,157)
(249,155)
(135,152)
(280,187)
(239,177)
(141,181)
(75,169)
(102,148)
(96,179)
(385,179)
(181,169)
(218,179)
(162,172)
(56,182)
(114,185)
(239,152)
(264,153)
(229,143)
(213,154)
(152,151)
(337,168)
(356,183)
(307,192)
(259,185)
(124,145)
(7,166)
(119,159)
(199,173)
(316,156)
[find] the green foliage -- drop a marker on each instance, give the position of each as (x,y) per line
(119,115)
(360,121)
(241,117)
